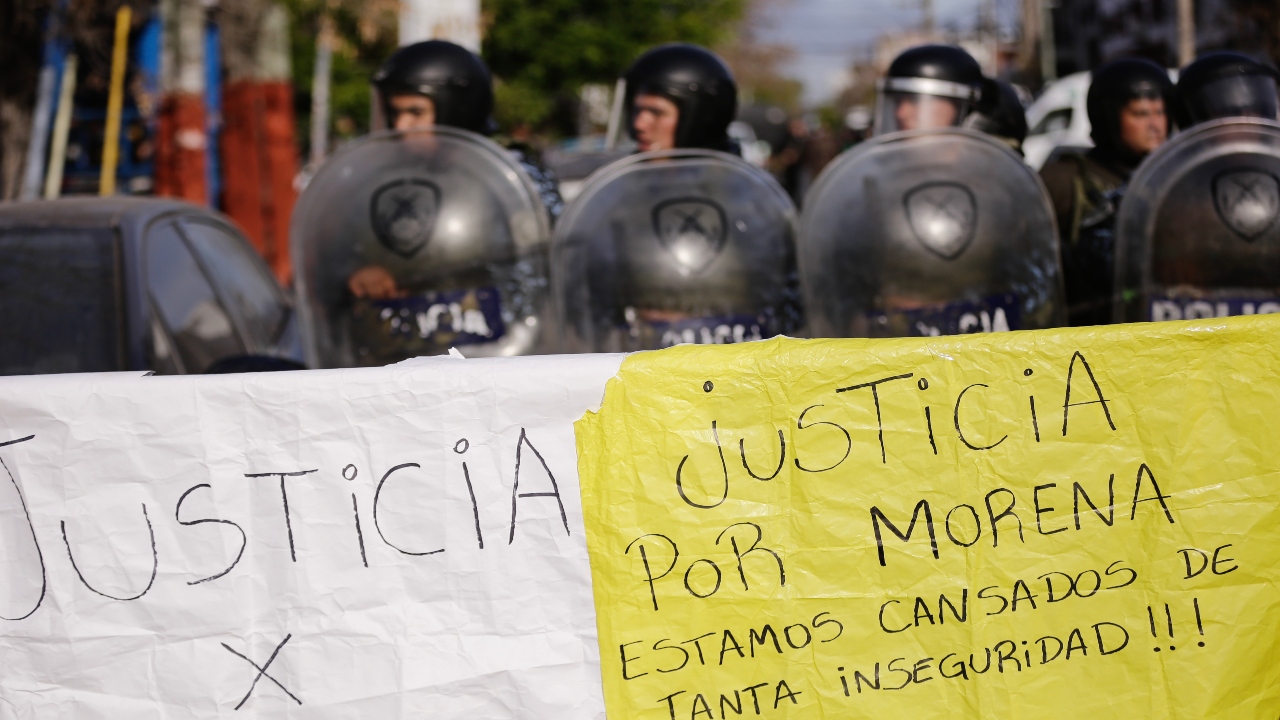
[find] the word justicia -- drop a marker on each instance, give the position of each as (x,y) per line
(364,517)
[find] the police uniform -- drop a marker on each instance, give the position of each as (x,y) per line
(461,88)
(1086,189)
(684,245)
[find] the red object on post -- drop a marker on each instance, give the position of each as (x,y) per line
(260,161)
(180,149)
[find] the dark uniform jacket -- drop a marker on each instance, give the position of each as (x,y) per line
(1086,190)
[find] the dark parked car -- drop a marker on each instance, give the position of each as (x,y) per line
(112,284)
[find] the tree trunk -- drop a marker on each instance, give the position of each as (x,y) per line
(182,133)
(20,56)
(259,148)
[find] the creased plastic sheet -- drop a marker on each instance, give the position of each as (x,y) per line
(327,544)
(1056,524)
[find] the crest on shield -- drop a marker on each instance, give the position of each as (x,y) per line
(692,230)
(1248,201)
(943,217)
(403,214)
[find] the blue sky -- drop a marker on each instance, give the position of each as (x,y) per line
(827,35)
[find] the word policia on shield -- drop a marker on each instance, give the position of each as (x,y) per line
(1076,523)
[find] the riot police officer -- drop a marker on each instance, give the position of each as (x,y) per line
(432,83)
(1198,235)
(1128,102)
(932,226)
(929,86)
(1000,114)
(684,243)
(1225,84)
(680,96)
(411,242)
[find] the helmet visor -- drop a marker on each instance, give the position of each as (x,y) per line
(1237,96)
(917,111)
(915,103)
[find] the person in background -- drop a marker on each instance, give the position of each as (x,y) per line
(680,96)
(1000,114)
(928,86)
(1226,84)
(1128,105)
(439,83)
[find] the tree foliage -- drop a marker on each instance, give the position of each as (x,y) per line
(543,51)
(365,33)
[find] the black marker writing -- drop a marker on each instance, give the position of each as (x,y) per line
(848,441)
(960,432)
(875,396)
(44,575)
(515,490)
(377,495)
(350,472)
(724,494)
(461,447)
(1066,402)
(155,561)
(284,497)
(177,515)
(262,672)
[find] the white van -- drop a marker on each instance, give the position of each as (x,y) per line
(1058,118)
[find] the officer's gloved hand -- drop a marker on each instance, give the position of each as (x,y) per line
(373,282)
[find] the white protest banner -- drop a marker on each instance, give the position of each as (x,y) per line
(380,543)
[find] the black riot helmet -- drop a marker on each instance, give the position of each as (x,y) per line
(1112,87)
(700,85)
(928,86)
(456,80)
(1000,114)
(1226,84)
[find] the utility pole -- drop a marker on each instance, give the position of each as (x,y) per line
(320,81)
(457,21)
(1030,35)
(115,103)
(1048,52)
(61,129)
(257,146)
(182,135)
(55,51)
(1186,32)
(988,27)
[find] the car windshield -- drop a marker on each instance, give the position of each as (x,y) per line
(61,300)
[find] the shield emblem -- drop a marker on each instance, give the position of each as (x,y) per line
(403,214)
(1248,201)
(692,230)
(943,217)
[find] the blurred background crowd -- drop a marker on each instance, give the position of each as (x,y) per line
(228,102)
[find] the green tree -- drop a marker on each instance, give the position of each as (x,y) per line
(543,51)
(365,33)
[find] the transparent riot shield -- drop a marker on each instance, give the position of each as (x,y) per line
(1198,234)
(681,246)
(407,244)
(930,232)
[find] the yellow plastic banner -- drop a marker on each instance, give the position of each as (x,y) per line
(1071,523)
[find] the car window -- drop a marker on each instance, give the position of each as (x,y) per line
(201,329)
(60,297)
(1056,120)
(247,286)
